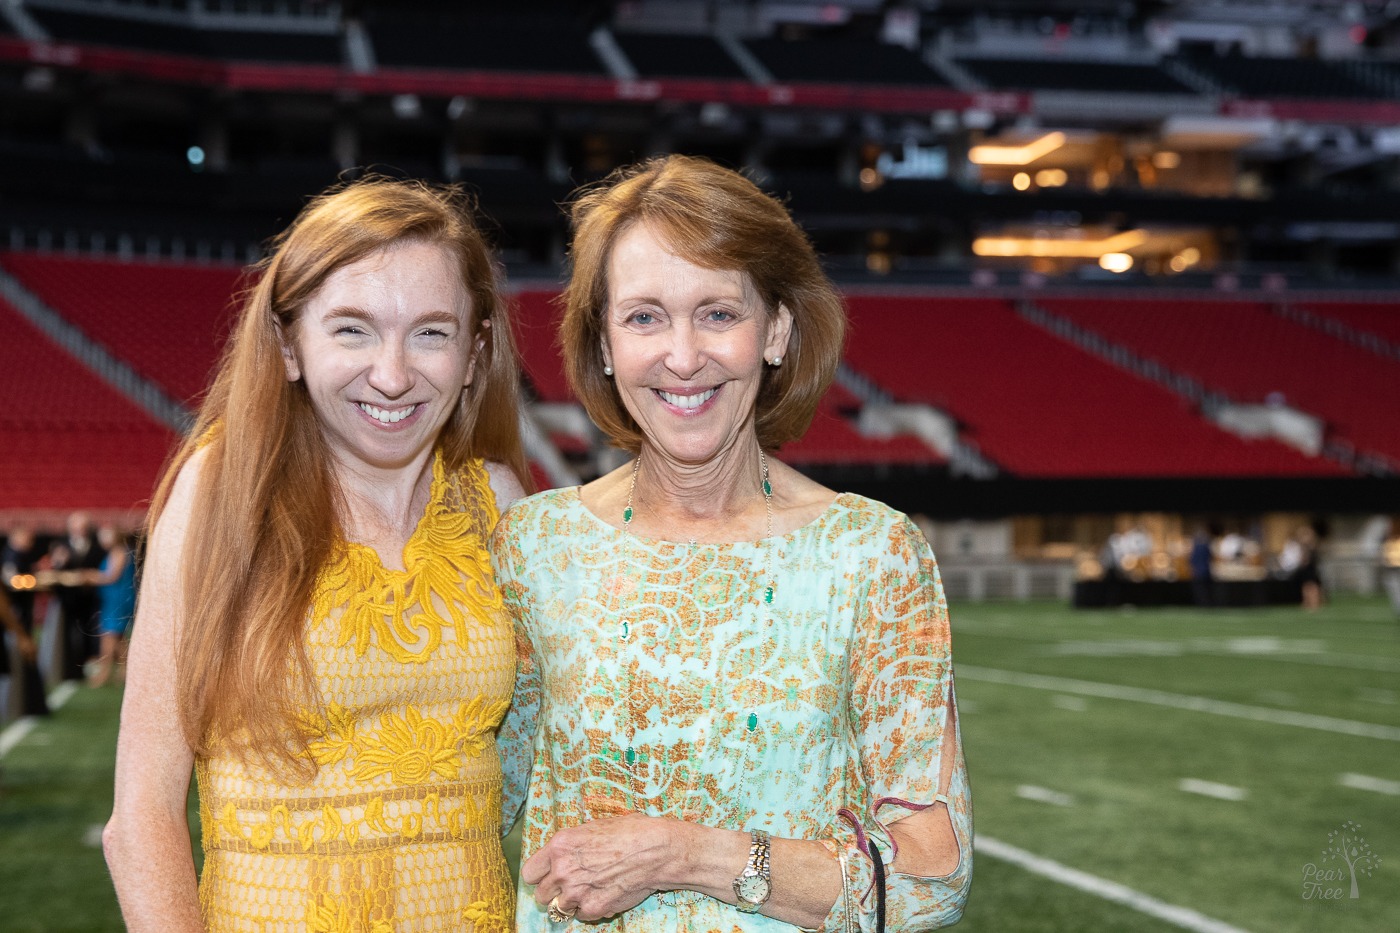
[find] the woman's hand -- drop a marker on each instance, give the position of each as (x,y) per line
(606,866)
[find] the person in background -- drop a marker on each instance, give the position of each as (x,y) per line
(70,557)
(1307,574)
(1202,577)
(1390,564)
(12,633)
(318,633)
(742,679)
(116,590)
(20,559)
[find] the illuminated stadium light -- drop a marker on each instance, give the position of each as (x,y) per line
(1115,262)
(1184,259)
(1016,155)
(1058,248)
(1022,181)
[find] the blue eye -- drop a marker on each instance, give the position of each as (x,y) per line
(721,314)
(643,317)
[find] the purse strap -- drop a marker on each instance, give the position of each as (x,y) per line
(879,865)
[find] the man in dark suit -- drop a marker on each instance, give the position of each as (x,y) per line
(78,598)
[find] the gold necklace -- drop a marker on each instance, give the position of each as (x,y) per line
(630,756)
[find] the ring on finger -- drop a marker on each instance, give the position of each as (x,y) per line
(559,916)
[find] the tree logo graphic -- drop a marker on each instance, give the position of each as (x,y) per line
(1345,847)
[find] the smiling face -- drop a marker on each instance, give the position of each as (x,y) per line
(687,346)
(385,351)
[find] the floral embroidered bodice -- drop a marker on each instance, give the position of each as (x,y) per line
(399,829)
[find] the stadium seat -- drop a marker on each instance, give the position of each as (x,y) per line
(1240,348)
(69,440)
(167,320)
(1039,406)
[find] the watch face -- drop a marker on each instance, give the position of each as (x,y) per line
(753,888)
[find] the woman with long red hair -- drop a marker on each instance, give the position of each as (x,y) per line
(318,634)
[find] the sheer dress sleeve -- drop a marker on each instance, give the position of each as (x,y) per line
(904,718)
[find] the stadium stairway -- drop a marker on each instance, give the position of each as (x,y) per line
(1375,328)
(1242,354)
(69,439)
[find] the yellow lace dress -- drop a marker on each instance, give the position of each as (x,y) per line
(399,830)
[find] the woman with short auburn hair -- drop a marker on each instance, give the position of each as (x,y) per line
(742,680)
(717,219)
(318,633)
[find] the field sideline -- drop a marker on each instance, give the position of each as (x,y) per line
(1150,770)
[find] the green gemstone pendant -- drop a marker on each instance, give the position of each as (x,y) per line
(767,488)
(627,515)
(626,630)
(753,721)
(768,594)
(631,756)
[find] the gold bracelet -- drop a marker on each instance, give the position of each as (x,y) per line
(849,922)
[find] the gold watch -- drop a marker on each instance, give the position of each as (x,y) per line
(755,882)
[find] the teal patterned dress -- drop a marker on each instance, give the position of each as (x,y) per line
(800,684)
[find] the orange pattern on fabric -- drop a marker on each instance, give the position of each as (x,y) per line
(658,677)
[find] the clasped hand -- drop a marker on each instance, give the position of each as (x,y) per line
(606,866)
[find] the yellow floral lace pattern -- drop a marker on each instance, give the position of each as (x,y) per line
(404,612)
(412,748)
(287,829)
(398,830)
(342,915)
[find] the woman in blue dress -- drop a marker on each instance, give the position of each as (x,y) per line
(116,589)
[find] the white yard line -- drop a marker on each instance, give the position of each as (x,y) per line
(1351,662)
(14,732)
(1044,795)
(1322,658)
(1366,782)
(1212,789)
(62,694)
(17,730)
(1183,917)
(1369,730)
(1073,704)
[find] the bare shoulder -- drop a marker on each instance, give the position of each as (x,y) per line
(505,485)
(169,531)
(607,494)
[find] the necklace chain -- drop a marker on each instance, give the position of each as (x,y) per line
(630,756)
(628,512)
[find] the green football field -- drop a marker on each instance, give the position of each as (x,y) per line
(1148,770)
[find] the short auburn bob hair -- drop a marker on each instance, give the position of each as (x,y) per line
(718,219)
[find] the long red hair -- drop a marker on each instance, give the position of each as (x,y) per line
(265,516)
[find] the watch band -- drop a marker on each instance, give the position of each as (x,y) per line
(754,884)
